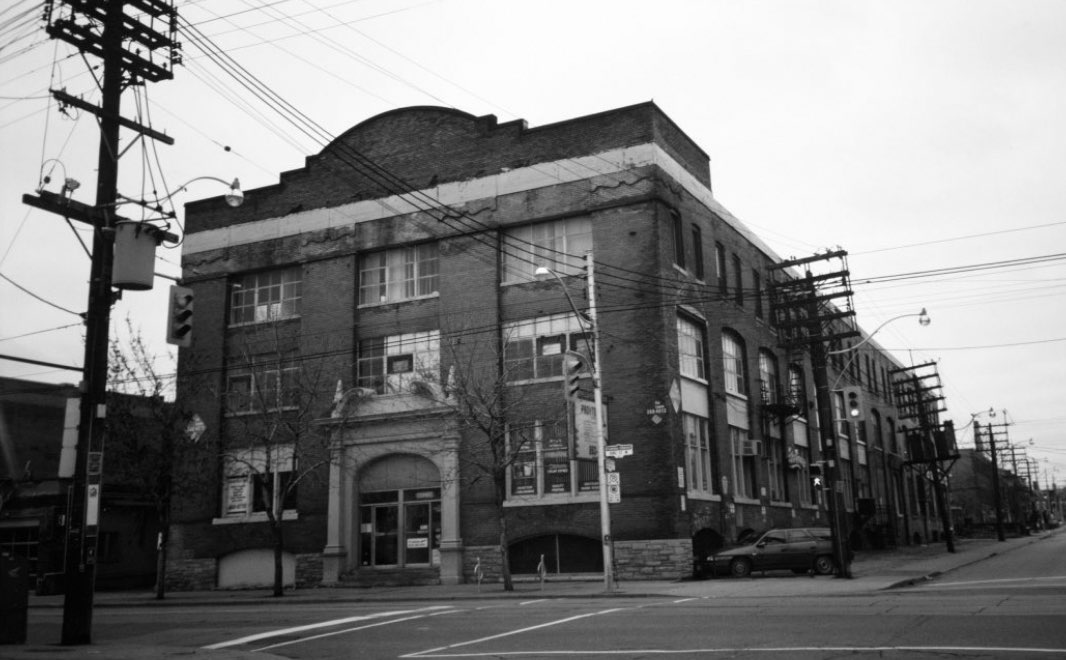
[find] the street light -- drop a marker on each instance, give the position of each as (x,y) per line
(235,197)
(923,320)
(543,272)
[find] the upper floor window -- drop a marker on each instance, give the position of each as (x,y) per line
(559,245)
(697,252)
(679,238)
(738,286)
(797,388)
(266,296)
(388,365)
(534,348)
(768,377)
(262,389)
(720,268)
(756,286)
(736,377)
(690,348)
(399,274)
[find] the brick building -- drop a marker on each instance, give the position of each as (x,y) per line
(401,261)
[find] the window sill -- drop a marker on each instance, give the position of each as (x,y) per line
(584,497)
(382,303)
(246,413)
(702,496)
(745,500)
(257,517)
(278,319)
(781,505)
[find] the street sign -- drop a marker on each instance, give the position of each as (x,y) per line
(614,479)
(618,451)
(614,494)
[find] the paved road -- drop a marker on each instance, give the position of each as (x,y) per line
(1010,606)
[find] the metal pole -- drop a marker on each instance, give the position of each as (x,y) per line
(601,442)
(997,494)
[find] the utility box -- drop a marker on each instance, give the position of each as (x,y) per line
(14,598)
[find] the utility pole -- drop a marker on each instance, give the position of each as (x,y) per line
(804,312)
(997,496)
(918,390)
(100,28)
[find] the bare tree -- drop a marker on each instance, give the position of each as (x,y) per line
(148,435)
(497,416)
(273,444)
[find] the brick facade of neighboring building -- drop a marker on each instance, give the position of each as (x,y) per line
(401,259)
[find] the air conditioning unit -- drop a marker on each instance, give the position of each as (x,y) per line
(751,448)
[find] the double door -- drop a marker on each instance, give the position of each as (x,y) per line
(400,528)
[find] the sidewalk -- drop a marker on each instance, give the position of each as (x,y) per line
(871,571)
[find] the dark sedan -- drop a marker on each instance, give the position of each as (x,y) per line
(801,550)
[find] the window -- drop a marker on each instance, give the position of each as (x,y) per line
(254,477)
(736,379)
(698,450)
(697,252)
(542,465)
(690,348)
(768,377)
(388,365)
(559,245)
(719,269)
(756,285)
(399,274)
(777,469)
(679,238)
(534,348)
(738,286)
(743,463)
(254,389)
(797,389)
(268,296)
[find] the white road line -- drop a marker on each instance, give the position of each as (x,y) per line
(532,602)
(348,630)
(315,626)
(509,633)
(785,650)
(999,581)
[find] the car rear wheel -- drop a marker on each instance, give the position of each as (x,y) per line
(824,565)
(740,567)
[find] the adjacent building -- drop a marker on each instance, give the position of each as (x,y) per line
(353,309)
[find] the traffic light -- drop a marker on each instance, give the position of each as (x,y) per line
(573,366)
(853,404)
(817,481)
(179,316)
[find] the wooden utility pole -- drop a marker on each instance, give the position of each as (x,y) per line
(810,311)
(102,28)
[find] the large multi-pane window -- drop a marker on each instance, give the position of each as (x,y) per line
(698,450)
(261,389)
(399,274)
(690,348)
(544,464)
(258,479)
(736,379)
(267,296)
(559,245)
(388,365)
(534,348)
(744,467)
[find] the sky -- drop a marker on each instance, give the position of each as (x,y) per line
(917,135)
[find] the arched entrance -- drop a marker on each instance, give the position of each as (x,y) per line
(399,518)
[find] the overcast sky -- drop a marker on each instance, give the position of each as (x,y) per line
(916,135)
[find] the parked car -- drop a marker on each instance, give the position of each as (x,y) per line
(800,549)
